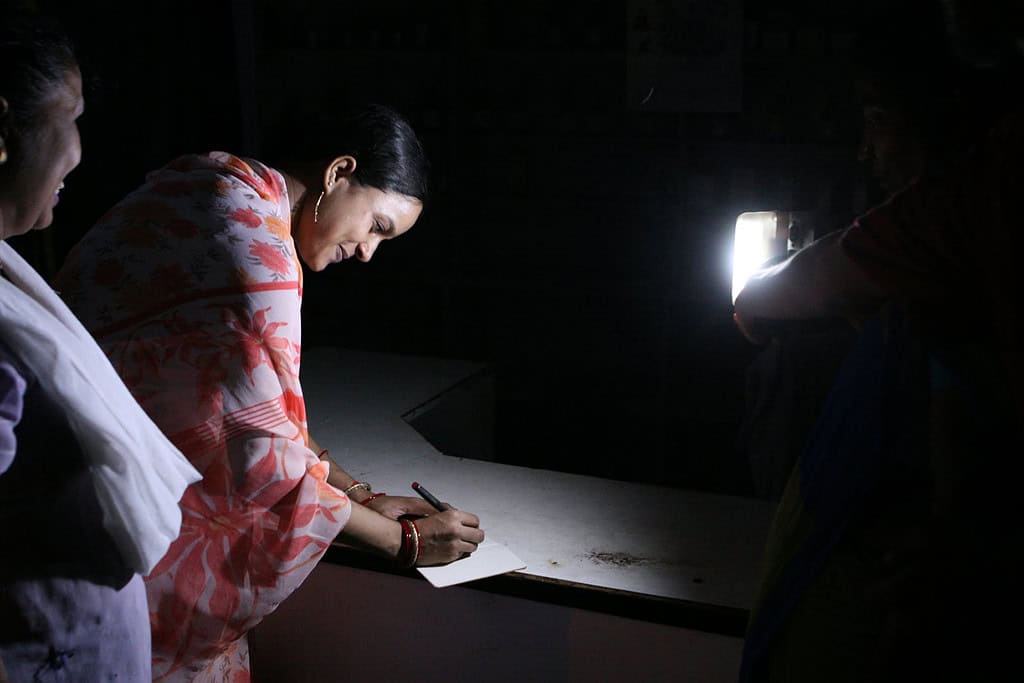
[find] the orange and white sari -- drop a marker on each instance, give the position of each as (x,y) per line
(192,286)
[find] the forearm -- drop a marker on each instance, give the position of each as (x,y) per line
(819,281)
(369,531)
(434,538)
(337,476)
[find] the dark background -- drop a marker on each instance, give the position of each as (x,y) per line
(581,224)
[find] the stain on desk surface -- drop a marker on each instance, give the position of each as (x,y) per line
(618,559)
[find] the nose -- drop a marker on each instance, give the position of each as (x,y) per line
(365,250)
(76,149)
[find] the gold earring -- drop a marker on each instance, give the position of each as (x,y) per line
(3,152)
(316,208)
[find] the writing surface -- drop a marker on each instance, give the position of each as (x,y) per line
(490,559)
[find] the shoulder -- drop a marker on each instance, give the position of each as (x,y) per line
(236,170)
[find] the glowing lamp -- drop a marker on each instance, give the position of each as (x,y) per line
(762,238)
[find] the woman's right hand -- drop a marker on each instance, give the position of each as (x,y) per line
(447,536)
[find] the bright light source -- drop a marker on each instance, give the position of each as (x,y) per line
(755,242)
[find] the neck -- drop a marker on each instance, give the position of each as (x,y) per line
(296,193)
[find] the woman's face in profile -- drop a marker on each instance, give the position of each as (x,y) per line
(50,151)
(351,222)
(889,143)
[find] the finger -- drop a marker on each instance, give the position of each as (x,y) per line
(473,535)
(469,519)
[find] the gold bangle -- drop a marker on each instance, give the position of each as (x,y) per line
(415,543)
(357,485)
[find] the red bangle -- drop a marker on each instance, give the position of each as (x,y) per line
(321,454)
(410,550)
(376,495)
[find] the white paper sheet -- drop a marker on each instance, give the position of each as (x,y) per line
(490,559)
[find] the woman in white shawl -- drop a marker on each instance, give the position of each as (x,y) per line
(89,487)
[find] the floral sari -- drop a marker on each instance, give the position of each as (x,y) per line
(192,286)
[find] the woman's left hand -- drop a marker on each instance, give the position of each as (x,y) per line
(394,507)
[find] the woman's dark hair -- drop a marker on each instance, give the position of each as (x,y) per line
(903,49)
(903,52)
(986,33)
(35,55)
(387,151)
(907,52)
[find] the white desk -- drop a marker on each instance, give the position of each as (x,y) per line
(585,531)
(623,580)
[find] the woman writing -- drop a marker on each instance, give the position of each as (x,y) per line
(89,486)
(192,284)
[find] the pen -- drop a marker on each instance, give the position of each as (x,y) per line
(428,496)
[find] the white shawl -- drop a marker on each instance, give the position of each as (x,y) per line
(139,475)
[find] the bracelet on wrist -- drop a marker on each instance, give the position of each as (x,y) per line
(366,501)
(409,551)
(357,485)
(416,543)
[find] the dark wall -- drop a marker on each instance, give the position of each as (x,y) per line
(579,234)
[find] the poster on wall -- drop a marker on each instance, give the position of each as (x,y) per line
(684,55)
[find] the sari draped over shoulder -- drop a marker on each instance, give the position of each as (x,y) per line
(193,288)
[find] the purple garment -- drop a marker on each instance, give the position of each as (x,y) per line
(69,608)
